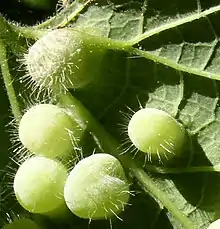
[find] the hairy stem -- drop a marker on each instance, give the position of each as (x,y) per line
(171,63)
(64,17)
(149,186)
(189,169)
(29,32)
(11,37)
(175,23)
(109,145)
(8,82)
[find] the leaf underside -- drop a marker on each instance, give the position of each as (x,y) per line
(176,69)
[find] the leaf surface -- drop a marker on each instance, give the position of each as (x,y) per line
(173,66)
(175,69)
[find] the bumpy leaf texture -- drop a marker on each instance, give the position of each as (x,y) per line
(176,68)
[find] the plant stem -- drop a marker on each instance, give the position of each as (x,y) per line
(64,17)
(175,23)
(8,82)
(29,32)
(188,169)
(11,37)
(109,145)
(171,63)
(149,186)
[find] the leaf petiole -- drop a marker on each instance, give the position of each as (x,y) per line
(188,169)
(8,82)
(109,145)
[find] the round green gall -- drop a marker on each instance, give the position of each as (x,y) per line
(65,58)
(97,188)
(156,133)
(47,130)
(214,225)
(39,183)
(22,224)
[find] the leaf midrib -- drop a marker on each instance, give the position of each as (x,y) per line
(175,23)
(174,65)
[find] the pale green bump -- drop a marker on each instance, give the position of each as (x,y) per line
(214,225)
(97,187)
(22,224)
(155,132)
(39,184)
(65,58)
(47,130)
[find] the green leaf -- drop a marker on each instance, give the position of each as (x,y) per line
(167,33)
(177,37)
(173,65)
(199,103)
(65,16)
(209,139)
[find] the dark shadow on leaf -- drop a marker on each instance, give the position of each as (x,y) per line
(194,33)
(171,7)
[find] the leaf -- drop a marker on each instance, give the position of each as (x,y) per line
(182,46)
(209,140)
(176,36)
(66,15)
(174,66)
(161,30)
(199,103)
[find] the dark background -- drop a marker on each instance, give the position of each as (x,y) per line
(16,11)
(21,12)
